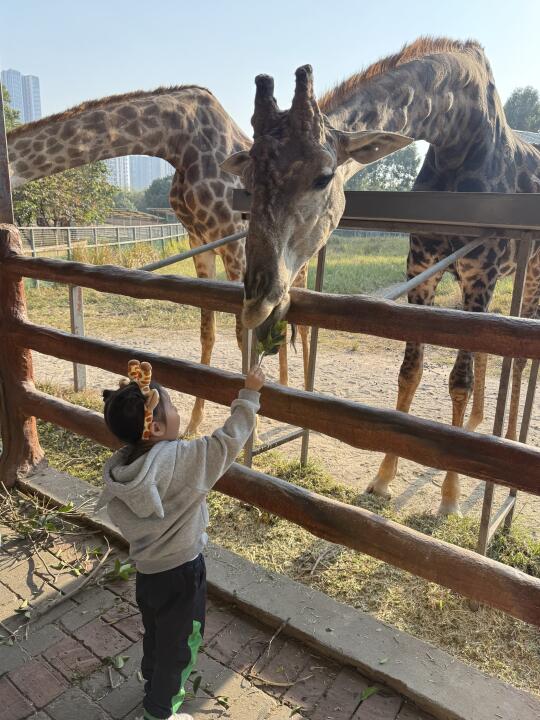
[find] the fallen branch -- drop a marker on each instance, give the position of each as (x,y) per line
(67,596)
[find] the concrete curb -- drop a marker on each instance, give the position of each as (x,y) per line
(431,678)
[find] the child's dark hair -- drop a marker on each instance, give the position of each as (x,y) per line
(124,411)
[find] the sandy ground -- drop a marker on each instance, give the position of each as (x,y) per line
(351,367)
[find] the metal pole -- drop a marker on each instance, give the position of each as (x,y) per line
(195,251)
(6,204)
(76,312)
(525,422)
(404,288)
(69,253)
(313,343)
(248,344)
(524,249)
(35,283)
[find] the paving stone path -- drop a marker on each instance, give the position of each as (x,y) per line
(60,665)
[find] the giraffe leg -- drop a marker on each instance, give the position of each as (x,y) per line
(477,411)
(460,386)
(410,375)
(303,331)
(477,291)
(411,370)
(283,362)
(205,266)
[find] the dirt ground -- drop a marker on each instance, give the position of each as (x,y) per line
(349,366)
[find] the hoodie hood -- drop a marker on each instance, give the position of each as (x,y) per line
(142,484)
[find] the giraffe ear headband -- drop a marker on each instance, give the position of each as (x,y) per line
(141,373)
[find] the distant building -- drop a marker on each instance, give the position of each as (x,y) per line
(31,98)
(119,172)
(24,94)
(12,81)
(145,169)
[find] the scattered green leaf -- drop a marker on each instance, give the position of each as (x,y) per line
(368,692)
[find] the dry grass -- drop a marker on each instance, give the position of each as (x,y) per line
(489,640)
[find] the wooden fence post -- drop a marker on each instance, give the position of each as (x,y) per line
(76,313)
(21,450)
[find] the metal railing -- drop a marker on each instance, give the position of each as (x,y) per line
(62,240)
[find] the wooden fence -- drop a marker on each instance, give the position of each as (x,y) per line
(490,458)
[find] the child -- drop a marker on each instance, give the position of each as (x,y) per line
(155,492)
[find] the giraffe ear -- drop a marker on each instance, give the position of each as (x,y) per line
(236,163)
(367,146)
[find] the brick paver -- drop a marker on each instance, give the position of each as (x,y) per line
(62,670)
(38,682)
(13,704)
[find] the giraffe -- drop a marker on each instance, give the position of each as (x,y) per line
(188,127)
(437,90)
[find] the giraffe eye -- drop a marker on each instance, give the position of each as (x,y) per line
(322,181)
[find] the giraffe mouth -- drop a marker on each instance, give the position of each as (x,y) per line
(261,314)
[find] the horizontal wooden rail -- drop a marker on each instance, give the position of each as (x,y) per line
(477,332)
(463,571)
(423,441)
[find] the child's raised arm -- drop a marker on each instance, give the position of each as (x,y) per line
(204,461)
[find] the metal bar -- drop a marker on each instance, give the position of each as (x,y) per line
(404,288)
(313,344)
(508,211)
(524,251)
(76,312)
(35,283)
(501,515)
(6,203)
(277,442)
(69,252)
(251,357)
(195,251)
(525,423)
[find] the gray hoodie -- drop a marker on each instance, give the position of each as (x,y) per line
(159,500)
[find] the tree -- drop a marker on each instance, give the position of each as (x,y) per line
(157,195)
(128,199)
(11,116)
(81,196)
(394,172)
(522,109)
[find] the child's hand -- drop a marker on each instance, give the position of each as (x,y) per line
(255,379)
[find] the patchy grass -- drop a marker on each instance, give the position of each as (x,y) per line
(490,640)
(353,265)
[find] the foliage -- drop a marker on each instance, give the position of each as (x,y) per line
(11,116)
(522,109)
(81,196)
(394,172)
(157,195)
(128,199)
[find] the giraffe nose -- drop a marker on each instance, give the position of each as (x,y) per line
(256,284)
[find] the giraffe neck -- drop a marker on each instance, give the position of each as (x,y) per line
(447,99)
(185,126)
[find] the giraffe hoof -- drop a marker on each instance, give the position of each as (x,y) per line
(377,488)
(191,431)
(449,508)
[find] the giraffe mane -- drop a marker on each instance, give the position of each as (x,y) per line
(421,47)
(100,102)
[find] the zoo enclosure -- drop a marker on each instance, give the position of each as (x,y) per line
(489,458)
(63,240)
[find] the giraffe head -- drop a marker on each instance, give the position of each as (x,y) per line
(294,176)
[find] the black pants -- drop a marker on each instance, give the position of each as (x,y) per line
(172,604)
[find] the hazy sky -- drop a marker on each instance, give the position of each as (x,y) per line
(82,51)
